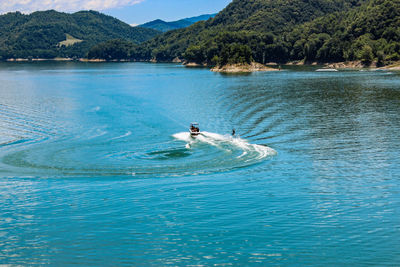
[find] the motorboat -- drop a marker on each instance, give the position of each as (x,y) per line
(194,129)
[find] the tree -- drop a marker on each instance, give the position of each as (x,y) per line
(195,53)
(366,55)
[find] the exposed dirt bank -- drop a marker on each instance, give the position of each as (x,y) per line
(240,68)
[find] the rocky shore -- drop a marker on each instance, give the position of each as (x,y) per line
(193,64)
(392,67)
(242,68)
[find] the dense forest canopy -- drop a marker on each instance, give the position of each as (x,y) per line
(39,34)
(275,15)
(283,30)
(369,32)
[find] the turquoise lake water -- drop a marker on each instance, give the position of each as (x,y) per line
(97,167)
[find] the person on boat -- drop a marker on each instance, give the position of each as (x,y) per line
(194,129)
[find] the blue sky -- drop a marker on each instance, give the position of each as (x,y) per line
(130,11)
(168,10)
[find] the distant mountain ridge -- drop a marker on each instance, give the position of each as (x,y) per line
(163,26)
(49,34)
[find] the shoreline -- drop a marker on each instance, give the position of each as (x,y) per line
(395,66)
(243,68)
(64,59)
(230,68)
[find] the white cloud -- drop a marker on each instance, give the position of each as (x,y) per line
(28,6)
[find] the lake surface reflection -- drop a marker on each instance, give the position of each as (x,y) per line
(97,167)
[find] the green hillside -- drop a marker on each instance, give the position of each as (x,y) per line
(275,15)
(49,34)
(256,25)
(369,32)
(282,31)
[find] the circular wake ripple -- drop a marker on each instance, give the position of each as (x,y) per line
(184,155)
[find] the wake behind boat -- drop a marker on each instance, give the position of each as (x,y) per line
(231,146)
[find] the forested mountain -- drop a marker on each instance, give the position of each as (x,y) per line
(164,26)
(283,30)
(200,18)
(49,34)
(258,26)
(369,32)
(275,15)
